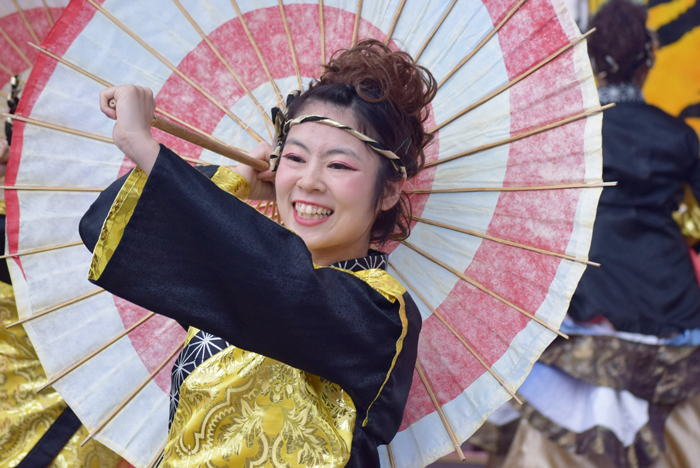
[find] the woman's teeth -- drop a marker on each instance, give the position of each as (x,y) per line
(305,211)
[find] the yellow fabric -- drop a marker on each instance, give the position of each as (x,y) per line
(3,210)
(242,409)
(25,416)
(117,219)
(664,13)
(673,83)
(125,203)
(231,182)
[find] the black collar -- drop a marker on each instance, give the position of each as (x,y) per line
(374,259)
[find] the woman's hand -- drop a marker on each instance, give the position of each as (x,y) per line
(262,185)
(134,115)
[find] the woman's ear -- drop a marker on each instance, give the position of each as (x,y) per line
(392,194)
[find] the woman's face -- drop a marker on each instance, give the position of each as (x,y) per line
(325,187)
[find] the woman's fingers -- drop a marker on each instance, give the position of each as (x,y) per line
(105,96)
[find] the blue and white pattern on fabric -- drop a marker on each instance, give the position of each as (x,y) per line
(200,348)
(375,259)
(620,92)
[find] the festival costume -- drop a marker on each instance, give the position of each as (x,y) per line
(615,396)
(322,358)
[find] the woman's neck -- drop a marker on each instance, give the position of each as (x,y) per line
(326,257)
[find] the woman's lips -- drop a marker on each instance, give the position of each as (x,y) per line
(309,222)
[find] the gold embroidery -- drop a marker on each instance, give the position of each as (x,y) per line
(25,415)
(231,182)
(116,221)
(92,455)
(242,409)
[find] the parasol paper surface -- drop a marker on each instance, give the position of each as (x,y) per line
(504,209)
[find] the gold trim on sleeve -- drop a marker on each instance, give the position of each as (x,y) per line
(231,182)
(393,291)
(116,221)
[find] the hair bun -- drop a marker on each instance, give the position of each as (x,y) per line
(377,73)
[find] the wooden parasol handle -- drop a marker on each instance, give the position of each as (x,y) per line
(204,142)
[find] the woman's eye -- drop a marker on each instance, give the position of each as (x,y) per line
(293,157)
(339,166)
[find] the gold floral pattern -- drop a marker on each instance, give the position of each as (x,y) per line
(243,409)
(25,415)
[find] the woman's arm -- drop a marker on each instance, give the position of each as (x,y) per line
(193,252)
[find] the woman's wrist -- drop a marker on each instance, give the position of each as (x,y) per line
(143,151)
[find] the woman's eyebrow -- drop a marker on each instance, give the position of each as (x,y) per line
(342,150)
(337,150)
(294,141)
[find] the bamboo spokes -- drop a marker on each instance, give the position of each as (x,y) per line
(394,22)
(291,44)
(483,42)
(155,461)
(251,39)
(37,188)
(226,64)
(15,47)
(59,128)
(49,16)
(56,307)
(441,413)
(510,84)
(482,288)
(109,85)
(434,31)
(391,456)
(26,22)
(82,361)
(504,241)
(5,69)
(41,249)
(514,189)
(527,134)
(131,396)
(177,71)
(162,125)
(456,334)
(356,26)
(321,23)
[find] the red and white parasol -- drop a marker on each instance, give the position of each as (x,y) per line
(503,212)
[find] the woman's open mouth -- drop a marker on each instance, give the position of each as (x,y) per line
(309,215)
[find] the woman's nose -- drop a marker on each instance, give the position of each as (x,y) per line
(311,179)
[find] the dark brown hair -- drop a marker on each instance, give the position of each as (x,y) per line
(621,42)
(388,95)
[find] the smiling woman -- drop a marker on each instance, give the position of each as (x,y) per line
(301,348)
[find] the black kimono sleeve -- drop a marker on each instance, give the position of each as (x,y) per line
(175,243)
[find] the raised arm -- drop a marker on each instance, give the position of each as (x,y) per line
(184,248)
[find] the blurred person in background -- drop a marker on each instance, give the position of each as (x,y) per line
(623,390)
